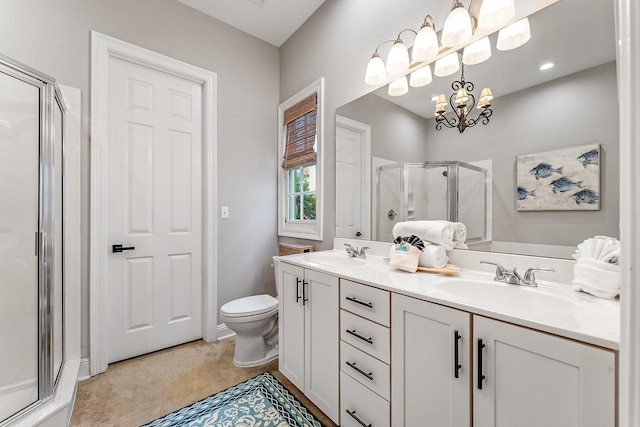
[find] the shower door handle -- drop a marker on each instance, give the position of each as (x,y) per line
(119,248)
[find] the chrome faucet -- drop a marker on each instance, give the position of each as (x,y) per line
(513,277)
(355,252)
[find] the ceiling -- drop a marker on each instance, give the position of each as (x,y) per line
(273,21)
(574,34)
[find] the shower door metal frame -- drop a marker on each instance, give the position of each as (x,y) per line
(453,183)
(43,240)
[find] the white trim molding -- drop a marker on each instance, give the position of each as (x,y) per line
(313,230)
(103,49)
(628,66)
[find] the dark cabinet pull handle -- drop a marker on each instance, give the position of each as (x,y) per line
(366,304)
(119,248)
(353,366)
(353,415)
(304,292)
(481,376)
(357,335)
(297,289)
(456,357)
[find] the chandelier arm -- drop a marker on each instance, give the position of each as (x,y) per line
(406,29)
(442,120)
(381,44)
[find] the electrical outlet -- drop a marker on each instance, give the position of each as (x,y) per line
(224,212)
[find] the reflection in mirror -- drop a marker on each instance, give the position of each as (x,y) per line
(573,103)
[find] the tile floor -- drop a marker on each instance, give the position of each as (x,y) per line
(138,390)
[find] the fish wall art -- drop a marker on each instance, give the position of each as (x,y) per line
(561,180)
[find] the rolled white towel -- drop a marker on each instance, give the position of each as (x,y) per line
(598,278)
(437,232)
(433,256)
(459,232)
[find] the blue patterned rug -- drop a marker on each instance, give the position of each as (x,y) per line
(259,402)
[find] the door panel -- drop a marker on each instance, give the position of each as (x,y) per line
(155,207)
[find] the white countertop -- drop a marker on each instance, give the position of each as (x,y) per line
(586,318)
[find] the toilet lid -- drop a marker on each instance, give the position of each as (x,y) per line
(250,306)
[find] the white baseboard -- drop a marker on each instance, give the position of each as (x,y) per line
(84,373)
(224,332)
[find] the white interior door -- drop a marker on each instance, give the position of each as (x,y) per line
(353,169)
(155,208)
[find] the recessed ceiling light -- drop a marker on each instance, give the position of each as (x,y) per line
(547,66)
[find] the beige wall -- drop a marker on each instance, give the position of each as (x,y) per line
(53,36)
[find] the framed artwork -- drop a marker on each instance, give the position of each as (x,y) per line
(559,180)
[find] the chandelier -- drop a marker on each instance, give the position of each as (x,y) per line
(462,102)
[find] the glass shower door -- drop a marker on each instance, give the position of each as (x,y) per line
(20,128)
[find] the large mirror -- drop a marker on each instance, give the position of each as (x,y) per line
(393,165)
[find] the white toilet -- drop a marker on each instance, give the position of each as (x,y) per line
(254,319)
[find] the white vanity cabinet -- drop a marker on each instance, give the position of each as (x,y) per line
(534,379)
(519,377)
(431,369)
(309,335)
(365,355)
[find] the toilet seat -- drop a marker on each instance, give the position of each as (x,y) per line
(250,306)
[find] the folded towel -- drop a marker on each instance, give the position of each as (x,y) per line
(433,256)
(438,232)
(599,278)
(601,248)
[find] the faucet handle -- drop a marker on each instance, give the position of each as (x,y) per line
(530,277)
(499,269)
(362,253)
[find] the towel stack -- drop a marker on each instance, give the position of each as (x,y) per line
(438,237)
(597,270)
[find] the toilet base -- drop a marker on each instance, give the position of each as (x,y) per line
(271,355)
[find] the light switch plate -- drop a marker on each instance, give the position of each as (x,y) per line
(224,212)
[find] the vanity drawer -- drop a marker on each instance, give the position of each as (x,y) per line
(365,301)
(366,335)
(365,369)
(371,409)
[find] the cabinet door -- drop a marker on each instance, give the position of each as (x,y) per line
(425,390)
(322,342)
(534,379)
(291,322)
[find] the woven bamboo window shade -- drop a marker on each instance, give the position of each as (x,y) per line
(300,120)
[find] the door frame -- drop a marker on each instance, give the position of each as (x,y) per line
(365,176)
(103,49)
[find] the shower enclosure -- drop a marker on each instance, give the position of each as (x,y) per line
(434,190)
(31,227)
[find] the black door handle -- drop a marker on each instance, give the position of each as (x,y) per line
(456,355)
(119,248)
(481,376)
(298,281)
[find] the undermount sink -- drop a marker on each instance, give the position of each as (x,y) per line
(510,296)
(335,260)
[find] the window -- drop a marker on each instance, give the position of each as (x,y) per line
(300,171)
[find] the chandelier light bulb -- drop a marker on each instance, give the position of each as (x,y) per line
(375,74)
(495,13)
(477,52)
(398,59)
(421,77)
(398,87)
(514,36)
(425,45)
(447,65)
(457,29)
